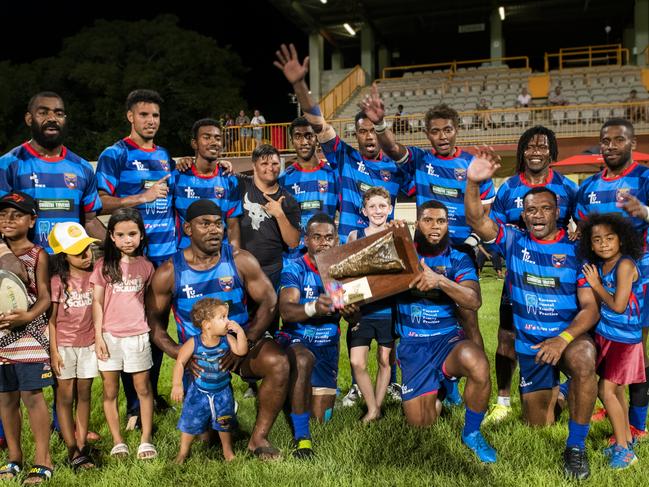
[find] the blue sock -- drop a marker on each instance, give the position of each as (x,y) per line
(472,421)
(393,374)
(577,434)
(638,417)
(301,425)
(328,414)
(2,430)
(563,388)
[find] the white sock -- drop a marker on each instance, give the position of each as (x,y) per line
(504,401)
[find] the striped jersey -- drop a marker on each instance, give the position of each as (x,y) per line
(378,310)
(126,169)
(542,276)
(317,331)
(433,313)
(64,187)
(508,205)
(189,186)
(212,378)
(221,282)
(444,179)
(357,175)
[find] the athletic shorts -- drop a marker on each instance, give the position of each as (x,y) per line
(422,363)
(506,310)
(78,362)
(536,377)
(128,354)
(367,330)
(325,367)
(620,363)
(203,409)
(25,376)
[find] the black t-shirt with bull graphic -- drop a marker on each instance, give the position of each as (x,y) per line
(260,234)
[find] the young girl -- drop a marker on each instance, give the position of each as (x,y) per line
(209,400)
(120,280)
(376,321)
(72,334)
(612,247)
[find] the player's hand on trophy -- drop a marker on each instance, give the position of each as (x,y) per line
(428,279)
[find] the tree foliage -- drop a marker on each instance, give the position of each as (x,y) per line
(99,66)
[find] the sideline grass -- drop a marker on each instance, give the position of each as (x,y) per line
(348,453)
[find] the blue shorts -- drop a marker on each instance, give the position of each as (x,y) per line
(536,377)
(421,361)
(25,376)
(200,409)
(325,367)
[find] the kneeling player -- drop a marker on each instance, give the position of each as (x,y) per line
(432,344)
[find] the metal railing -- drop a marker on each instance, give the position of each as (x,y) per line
(342,92)
(588,56)
(450,67)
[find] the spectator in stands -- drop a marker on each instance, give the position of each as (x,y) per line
(257,121)
(556,98)
(229,135)
(484,116)
(524,98)
(635,113)
(243,121)
(400,126)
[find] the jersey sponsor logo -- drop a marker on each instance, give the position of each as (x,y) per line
(526,256)
(531,303)
(70,180)
(519,202)
(309,292)
(416,312)
(219,192)
(226,283)
(443,191)
(35,181)
(256,212)
(51,204)
(311,205)
(540,281)
(323,186)
(525,382)
(460,173)
(165,164)
(362,187)
(559,260)
(592,198)
(430,170)
(44,229)
(385,175)
(190,193)
(138,165)
(190,292)
(621,194)
(362,168)
(296,189)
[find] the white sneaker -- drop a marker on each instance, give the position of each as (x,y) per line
(394,391)
(352,396)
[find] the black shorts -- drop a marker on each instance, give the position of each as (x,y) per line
(506,311)
(367,330)
(25,376)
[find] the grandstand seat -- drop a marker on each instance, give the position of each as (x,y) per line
(587,115)
(509,118)
(619,112)
(350,129)
(523,118)
(602,114)
(557,116)
(572,116)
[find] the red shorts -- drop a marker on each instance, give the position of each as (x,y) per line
(620,363)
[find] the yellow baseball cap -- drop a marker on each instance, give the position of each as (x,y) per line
(70,238)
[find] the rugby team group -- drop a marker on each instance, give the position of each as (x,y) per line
(230,254)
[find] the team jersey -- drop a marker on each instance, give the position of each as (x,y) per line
(444,179)
(357,175)
(542,276)
(212,378)
(125,169)
(508,205)
(317,331)
(378,310)
(189,186)
(64,187)
(433,313)
(602,194)
(623,327)
(221,282)
(316,190)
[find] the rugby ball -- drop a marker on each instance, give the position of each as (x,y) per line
(13,293)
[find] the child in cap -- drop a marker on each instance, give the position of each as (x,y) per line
(24,345)
(72,334)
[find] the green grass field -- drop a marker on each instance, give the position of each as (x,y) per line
(349,453)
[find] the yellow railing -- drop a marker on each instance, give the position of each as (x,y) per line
(585,56)
(451,66)
(241,140)
(342,92)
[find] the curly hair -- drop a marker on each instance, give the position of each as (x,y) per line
(443,112)
(630,241)
(205,310)
(376,191)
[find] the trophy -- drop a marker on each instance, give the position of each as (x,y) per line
(371,268)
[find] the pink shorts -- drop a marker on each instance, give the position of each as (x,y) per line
(620,363)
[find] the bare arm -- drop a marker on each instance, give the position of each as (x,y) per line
(353,235)
(111,203)
(234,231)
(158,305)
(9,261)
(290,234)
(625,276)
(238,345)
(184,356)
(291,310)
(95,227)
(465,294)
(55,357)
(483,167)
(98,321)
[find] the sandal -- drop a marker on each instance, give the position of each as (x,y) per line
(82,462)
(146,451)
(119,451)
(39,474)
(10,470)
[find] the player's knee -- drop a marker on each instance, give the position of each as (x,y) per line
(580,360)
(276,364)
(358,363)
(304,361)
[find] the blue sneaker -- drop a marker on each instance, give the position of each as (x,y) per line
(453,397)
(483,450)
(622,457)
(608,451)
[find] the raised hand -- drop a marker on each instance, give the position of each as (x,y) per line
(484,165)
(373,106)
(633,206)
(289,63)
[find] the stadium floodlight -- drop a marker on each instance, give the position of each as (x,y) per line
(501,12)
(323,2)
(349,29)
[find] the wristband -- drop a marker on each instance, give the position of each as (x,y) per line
(473,240)
(379,128)
(566,336)
(309,309)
